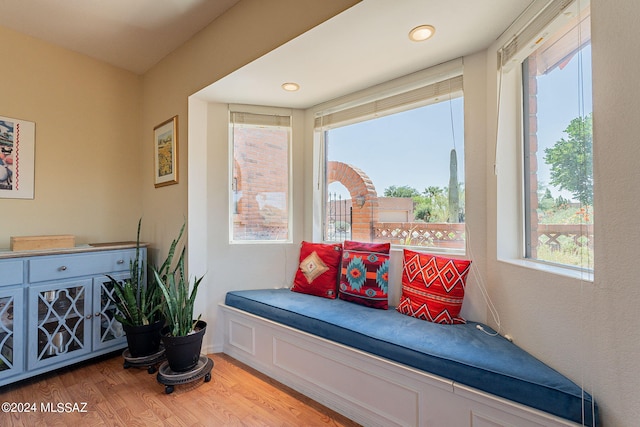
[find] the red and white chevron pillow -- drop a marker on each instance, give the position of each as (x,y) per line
(433,287)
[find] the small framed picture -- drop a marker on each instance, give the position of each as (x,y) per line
(165,141)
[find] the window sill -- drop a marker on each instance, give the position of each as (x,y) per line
(260,242)
(574,273)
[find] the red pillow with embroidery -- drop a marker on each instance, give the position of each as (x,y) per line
(318,269)
(433,287)
(365,274)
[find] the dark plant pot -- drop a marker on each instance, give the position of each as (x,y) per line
(143,340)
(183,353)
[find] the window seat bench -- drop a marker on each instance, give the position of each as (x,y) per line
(380,367)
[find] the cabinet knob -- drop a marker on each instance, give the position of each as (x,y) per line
(88,316)
(63,268)
(120,261)
(97,314)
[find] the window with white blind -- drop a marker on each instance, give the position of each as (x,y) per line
(555,55)
(393,163)
(260,177)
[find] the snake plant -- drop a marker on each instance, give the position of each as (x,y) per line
(138,302)
(178,301)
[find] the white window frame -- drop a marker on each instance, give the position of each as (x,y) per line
(273,111)
(357,107)
(542,18)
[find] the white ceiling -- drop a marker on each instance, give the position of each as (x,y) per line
(363,46)
(130,34)
(366,45)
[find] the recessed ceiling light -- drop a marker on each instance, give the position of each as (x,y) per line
(290,86)
(421,33)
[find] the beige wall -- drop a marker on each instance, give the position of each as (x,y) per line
(224,46)
(589,331)
(94,123)
(88,122)
(87,155)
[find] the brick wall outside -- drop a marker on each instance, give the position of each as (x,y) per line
(261,188)
(261,180)
(363,196)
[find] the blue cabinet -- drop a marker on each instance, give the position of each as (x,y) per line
(55,309)
(11,332)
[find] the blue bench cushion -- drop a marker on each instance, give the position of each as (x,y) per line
(461,353)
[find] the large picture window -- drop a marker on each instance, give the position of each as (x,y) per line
(558,166)
(394,169)
(260,181)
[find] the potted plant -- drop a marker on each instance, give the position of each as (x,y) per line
(182,335)
(139,304)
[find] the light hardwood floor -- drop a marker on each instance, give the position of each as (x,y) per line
(236,396)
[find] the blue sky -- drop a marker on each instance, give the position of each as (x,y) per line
(410,148)
(559,102)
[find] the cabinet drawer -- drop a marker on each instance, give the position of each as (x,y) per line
(11,272)
(65,266)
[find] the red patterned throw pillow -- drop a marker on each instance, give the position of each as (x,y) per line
(318,270)
(365,274)
(433,287)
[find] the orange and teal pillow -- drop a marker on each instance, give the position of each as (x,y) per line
(433,287)
(318,270)
(365,274)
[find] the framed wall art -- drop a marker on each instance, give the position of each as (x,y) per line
(17,158)
(165,142)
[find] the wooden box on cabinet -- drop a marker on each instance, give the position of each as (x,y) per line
(29,243)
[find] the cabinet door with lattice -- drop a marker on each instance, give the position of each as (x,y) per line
(106,330)
(58,322)
(11,332)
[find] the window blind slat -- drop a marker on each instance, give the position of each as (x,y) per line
(531,31)
(259,119)
(559,49)
(421,95)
